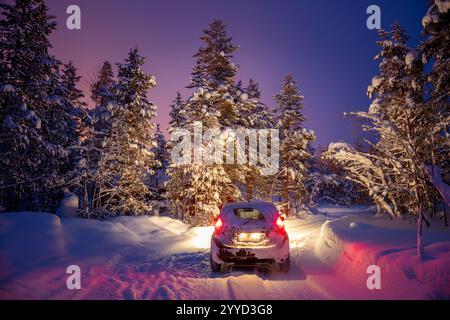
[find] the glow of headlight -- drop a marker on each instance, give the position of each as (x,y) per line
(202,237)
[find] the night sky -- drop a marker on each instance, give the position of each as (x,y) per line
(324,44)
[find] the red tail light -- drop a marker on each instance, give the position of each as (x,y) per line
(280,223)
(218,225)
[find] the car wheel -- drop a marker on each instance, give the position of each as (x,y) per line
(285,266)
(215,267)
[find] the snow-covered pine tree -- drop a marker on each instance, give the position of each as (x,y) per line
(214,66)
(295,144)
(393,167)
(402,122)
(101,87)
(156,181)
(395,171)
(127,156)
(254,114)
(69,81)
(209,183)
(37,123)
(102,93)
(176,172)
(216,73)
(96,127)
(213,103)
(71,102)
(177,114)
(436,51)
(198,79)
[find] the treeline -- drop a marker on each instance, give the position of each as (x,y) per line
(219,100)
(112,157)
(52,145)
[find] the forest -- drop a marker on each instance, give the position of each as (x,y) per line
(113,159)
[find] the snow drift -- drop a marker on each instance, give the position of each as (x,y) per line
(353,243)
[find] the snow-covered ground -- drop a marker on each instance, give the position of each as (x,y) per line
(161,258)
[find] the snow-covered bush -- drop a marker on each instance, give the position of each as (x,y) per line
(69,206)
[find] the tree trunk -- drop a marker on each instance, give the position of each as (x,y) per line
(445,216)
(286,195)
(419,232)
(249,187)
(85,200)
(94,195)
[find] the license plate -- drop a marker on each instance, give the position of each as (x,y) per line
(251,237)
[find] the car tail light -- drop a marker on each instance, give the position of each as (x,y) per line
(218,225)
(280,223)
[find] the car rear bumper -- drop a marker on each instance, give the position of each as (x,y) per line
(247,255)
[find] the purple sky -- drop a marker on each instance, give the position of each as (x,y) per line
(324,44)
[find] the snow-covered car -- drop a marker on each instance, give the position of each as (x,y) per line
(249,233)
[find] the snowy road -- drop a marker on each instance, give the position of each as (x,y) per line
(161,258)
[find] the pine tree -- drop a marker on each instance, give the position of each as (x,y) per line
(96,127)
(38,125)
(71,102)
(290,106)
(295,142)
(436,52)
(176,172)
(177,113)
(198,79)
(214,104)
(208,185)
(69,81)
(395,170)
(214,60)
(253,114)
(127,155)
(157,180)
(101,88)
(102,93)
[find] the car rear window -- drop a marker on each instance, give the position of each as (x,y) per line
(248,213)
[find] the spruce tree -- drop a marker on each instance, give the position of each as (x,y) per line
(37,115)
(177,113)
(213,103)
(214,59)
(158,178)
(96,128)
(101,88)
(295,142)
(127,155)
(435,51)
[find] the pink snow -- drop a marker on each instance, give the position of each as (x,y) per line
(162,258)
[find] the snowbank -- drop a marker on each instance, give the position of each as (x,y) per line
(335,211)
(36,249)
(353,243)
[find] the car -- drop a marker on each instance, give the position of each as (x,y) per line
(249,234)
